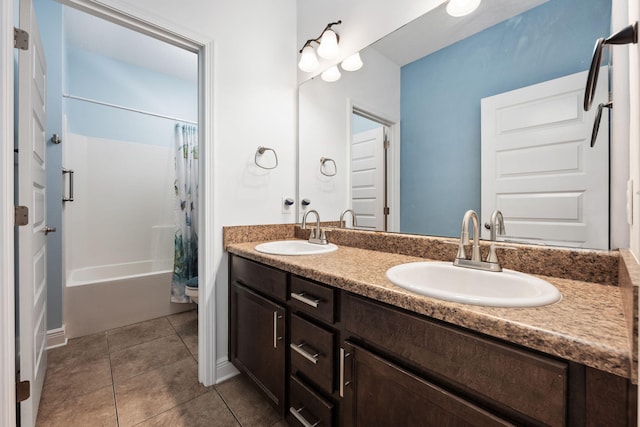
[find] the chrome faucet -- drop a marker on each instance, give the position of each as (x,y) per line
(354,223)
(475,261)
(316,235)
(496,226)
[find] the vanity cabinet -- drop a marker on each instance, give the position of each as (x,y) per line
(379,392)
(257,334)
(327,357)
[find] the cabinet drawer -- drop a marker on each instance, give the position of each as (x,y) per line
(307,408)
(311,351)
(312,298)
(500,375)
(266,280)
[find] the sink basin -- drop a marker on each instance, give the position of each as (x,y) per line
(444,281)
(294,247)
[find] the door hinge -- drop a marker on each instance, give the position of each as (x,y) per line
(386,210)
(23,391)
(20,39)
(21,215)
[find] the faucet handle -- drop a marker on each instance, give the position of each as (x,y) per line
(312,233)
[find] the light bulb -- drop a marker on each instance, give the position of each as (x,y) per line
(328,48)
(331,74)
(352,63)
(308,60)
(462,7)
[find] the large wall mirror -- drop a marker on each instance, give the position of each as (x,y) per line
(423,93)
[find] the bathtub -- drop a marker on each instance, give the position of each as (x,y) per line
(109,296)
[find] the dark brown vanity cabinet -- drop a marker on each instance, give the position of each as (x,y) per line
(312,353)
(257,334)
(380,393)
(346,360)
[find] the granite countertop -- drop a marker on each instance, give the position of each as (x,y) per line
(587,326)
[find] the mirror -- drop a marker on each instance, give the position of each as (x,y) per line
(424,83)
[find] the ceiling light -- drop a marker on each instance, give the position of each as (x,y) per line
(331,74)
(462,7)
(308,60)
(352,63)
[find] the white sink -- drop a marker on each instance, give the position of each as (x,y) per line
(444,281)
(294,247)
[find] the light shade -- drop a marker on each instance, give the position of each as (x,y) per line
(328,48)
(308,60)
(331,74)
(462,7)
(352,63)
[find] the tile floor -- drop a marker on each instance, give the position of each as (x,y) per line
(144,374)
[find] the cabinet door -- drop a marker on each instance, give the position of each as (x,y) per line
(378,392)
(257,341)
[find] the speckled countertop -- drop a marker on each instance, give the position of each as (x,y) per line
(587,326)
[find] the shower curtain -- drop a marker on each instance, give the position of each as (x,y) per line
(185,269)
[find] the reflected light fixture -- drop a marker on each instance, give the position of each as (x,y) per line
(328,48)
(462,7)
(331,74)
(352,63)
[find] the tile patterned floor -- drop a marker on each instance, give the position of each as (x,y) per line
(144,374)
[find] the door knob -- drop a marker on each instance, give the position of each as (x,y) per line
(48,230)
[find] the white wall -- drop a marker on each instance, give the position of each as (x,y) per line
(325,130)
(363,22)
(254,104)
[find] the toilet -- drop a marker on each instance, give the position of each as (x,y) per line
(192,292)
(191,289)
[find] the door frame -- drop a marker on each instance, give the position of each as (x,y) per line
(154,26)
(392,164)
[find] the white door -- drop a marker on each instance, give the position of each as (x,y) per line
(31,193)
(538,167)
(368,179)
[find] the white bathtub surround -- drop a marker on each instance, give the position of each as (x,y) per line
(110,296)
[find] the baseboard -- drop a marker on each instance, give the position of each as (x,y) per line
(225,370)
(56,338)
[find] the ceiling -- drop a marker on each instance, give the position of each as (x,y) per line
(96,35)
(436,29)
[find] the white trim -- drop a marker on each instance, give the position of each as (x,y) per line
(56,338)
(225,370)
(7,290)
(155,26)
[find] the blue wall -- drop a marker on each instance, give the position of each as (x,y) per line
(97,77)
(440,102)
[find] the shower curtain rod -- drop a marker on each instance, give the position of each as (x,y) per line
(107,104)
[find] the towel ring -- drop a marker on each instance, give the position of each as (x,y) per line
(627,35)
(323,163)
(260,151)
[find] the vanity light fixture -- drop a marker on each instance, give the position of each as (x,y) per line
(352,63)
(328,48)
(331,74)
(462,7)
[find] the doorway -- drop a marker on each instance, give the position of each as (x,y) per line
(130,112)
(371,170)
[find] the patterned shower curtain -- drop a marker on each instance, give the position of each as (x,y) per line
(185,269)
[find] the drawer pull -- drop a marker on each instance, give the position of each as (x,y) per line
(302,298)
(343,356)
(298,348)
(298,416)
